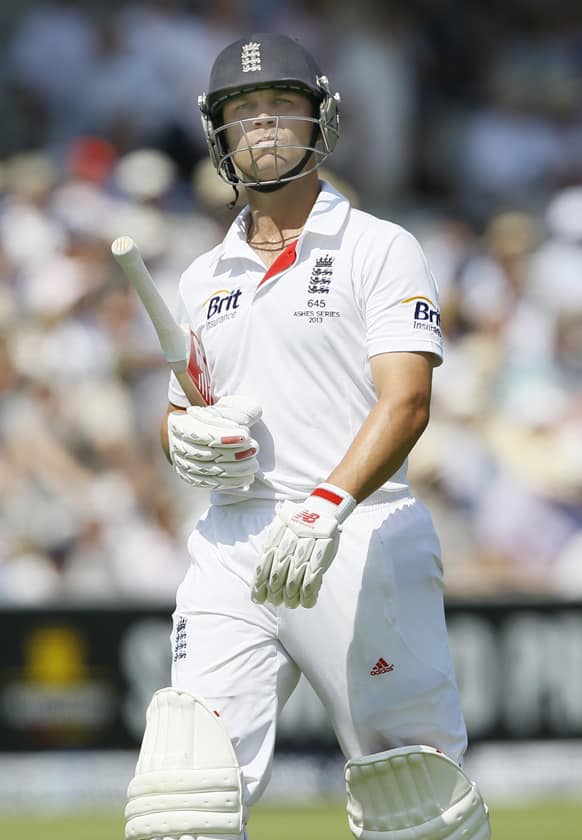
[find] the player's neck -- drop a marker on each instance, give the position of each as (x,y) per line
(277,218)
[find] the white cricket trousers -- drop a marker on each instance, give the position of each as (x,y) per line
(374,647)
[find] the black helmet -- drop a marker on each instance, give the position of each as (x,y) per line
(268,61)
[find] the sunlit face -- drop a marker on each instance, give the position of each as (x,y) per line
(270,131)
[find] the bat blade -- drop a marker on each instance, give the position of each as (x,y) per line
(182,348)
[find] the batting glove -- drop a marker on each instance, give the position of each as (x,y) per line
(300,545)
(212,447)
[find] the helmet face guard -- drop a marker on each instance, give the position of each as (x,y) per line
(268,61)
(322,142)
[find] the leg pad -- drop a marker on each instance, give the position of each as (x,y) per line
(413,793)
(187,783)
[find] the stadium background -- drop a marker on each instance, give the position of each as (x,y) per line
(461,120)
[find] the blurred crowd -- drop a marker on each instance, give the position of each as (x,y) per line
(462,123)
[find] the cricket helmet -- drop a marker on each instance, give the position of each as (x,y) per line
(268,61)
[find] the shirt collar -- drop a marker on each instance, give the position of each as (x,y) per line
(235,243)
(329,213)
(326,218)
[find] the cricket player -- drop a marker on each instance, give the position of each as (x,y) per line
(321,328)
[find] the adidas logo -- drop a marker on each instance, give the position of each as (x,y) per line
(381,667)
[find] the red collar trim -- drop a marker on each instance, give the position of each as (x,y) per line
(285,260)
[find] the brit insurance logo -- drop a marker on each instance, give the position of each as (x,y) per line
(221,306)
(321,276)
(426,314)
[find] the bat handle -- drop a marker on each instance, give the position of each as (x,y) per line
(192,393)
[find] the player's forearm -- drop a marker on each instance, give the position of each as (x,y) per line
(381,446)
(164,440)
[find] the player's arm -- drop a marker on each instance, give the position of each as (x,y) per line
(403,385)
(303,538)
(164,434)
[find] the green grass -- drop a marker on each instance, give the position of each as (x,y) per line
(552,821)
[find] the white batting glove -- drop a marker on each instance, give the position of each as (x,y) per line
(299,547)
(212,446)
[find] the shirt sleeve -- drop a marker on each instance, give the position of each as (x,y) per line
(400,299)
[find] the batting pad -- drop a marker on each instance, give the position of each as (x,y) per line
(413,793)
(187,782)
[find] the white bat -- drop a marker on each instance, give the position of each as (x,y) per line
(180,345)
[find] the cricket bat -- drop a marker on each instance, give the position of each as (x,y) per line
(180,345)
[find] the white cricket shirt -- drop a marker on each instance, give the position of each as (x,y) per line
(297,338)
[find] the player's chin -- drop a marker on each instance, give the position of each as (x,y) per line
(268,167)
(270,156)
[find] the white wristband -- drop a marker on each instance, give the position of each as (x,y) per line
(342,501)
